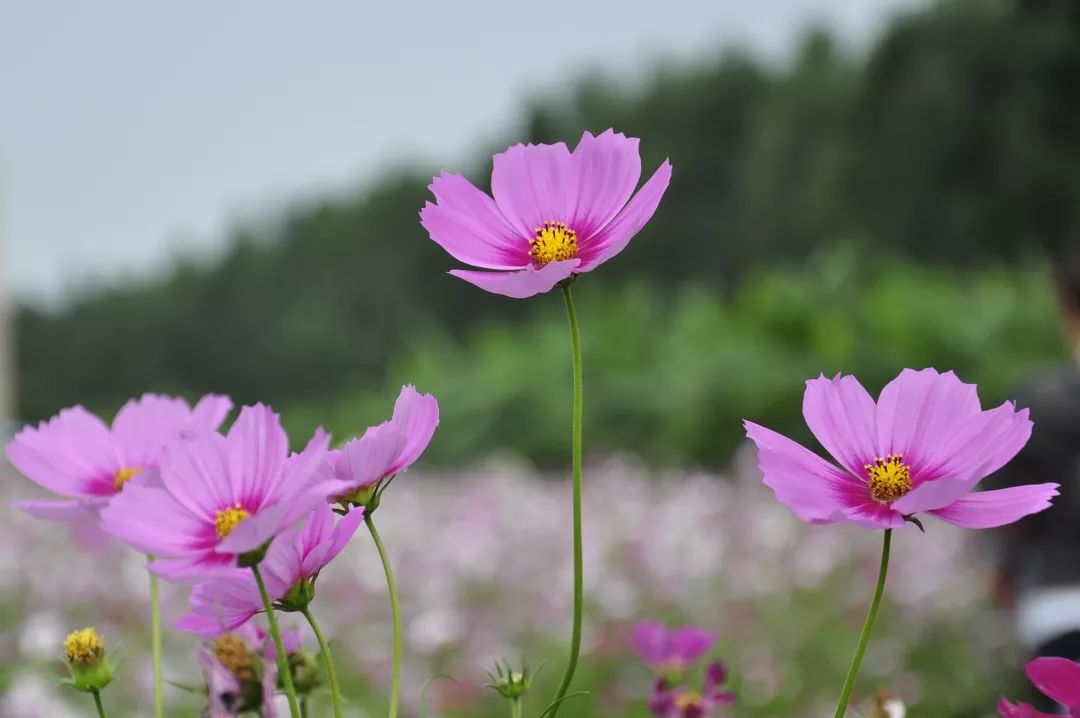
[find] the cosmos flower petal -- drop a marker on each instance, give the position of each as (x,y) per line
(841,415)
(983,444)
(813,489)
(193,569)
(650,640)
(254,531)
(919,410)
(466,223)
(691,643)
(257,449)
(211,411)
(70,454)
(522,284)
(989,509)
(60,510)
(871,515)
(195,471)
(1057,678)
(608,168)
(417,417)
(931,495)
(152,521)
(613,238)
(533,184)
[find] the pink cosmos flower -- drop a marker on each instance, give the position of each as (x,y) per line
(292,563)
(681,702)
(241,674)
(555,213)
(922,447)
(1058,679)
(76,455)
(220,496)
(670,652)
(387,449)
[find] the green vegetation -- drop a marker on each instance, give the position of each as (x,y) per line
(951,145)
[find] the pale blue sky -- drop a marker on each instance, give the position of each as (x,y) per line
(131,130)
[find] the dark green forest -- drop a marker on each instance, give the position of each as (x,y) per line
(854,212)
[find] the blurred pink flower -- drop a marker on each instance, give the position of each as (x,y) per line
(220,496)
(670,652)
(76,455)
(387,449)
(681,702)
(923,446)
(240,673)
(1058,679)
(292,563)
(555,213)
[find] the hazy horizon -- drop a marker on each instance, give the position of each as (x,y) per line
(136,133)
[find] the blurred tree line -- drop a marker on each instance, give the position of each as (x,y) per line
(954,143)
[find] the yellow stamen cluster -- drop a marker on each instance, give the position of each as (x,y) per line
(687,700)
(228,519)
(233,653)
(125,475)
(84,646)
(890,478)
(554,242)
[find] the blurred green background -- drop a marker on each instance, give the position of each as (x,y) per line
(856,211)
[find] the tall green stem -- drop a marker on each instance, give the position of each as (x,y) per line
(868,628)
(328,661)
(283,660)
(576,443)
(515,708)
(155,644)
(395,610)
(97,702)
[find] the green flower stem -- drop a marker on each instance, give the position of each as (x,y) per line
(575,636)
(395,609)
(515,708)
(328,661)
(97,702)
(868,628)
(155,643)
(283,660)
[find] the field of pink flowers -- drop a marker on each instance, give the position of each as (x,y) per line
(484,566)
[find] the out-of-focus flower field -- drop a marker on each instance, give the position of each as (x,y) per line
(484,568)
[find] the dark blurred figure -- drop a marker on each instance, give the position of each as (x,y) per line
(1039,557)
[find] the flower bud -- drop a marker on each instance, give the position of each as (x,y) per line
(510,684)
(306,671)
(84,653)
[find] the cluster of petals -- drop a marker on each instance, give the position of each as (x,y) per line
(552,213)
(227,692)
(226,602)
(926,439)
(669,653)
(220,496)
(1056,678)
(389,448)
(87,462)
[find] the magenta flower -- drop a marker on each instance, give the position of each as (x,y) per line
(76,455)
(1057,679)
(555,213)
(681,702)
(923,447)
(670,652)
(387,449)
(224,603)
(220,496)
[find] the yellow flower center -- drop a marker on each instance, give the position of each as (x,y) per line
(688,700)
(228,519)
(125,475)
(84,646)
(554,242)
(233,653)
(890,478)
